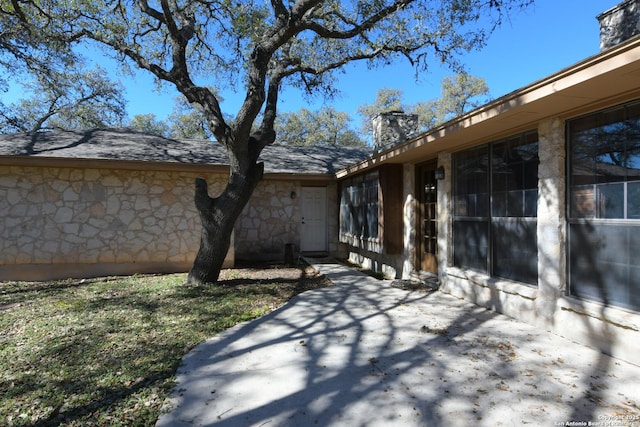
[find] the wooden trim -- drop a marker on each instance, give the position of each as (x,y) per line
(390,207)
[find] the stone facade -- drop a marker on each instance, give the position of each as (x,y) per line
(85,221)
(62,221)
(409,222)
(445,217)
(619,23)
(551,217)
(272,220)
(393,128)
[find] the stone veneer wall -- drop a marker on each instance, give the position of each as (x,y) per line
(270,220)
(74,222)
(64,221)
(619,23)
(393,128)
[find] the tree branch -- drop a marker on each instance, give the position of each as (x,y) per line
(356,29)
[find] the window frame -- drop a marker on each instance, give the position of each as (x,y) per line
(367,187)
(590,222)
(483,215)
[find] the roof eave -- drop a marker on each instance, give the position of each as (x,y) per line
(62,162)
(605,78)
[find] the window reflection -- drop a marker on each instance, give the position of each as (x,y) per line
(359,206)
(495,207)
(604,208)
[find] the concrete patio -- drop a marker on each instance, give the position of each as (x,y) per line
(364,353)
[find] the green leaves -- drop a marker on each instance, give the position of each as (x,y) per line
(326,127)
(459,95)
(251,46)
(68,98)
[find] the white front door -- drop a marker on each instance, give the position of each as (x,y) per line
(313,227)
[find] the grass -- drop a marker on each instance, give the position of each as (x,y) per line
(104,352)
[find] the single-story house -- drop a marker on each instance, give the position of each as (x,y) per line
(87,203)
(529,205)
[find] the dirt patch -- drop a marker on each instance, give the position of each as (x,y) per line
(300,278)
(412,285)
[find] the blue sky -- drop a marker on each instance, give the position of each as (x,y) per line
(549,36)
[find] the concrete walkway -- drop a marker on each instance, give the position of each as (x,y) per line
(362,353)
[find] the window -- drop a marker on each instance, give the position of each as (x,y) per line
(495,208)
(604,206)
(359,207)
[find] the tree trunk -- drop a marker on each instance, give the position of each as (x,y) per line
(218,216)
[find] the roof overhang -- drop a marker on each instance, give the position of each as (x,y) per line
(605,79)
(138,165)
(66,162)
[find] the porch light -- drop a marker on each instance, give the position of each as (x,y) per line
(440,173)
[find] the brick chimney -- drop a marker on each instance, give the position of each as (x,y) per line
(392,128)
(619,23)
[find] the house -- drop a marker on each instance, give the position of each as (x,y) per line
(528,205)
(101,202)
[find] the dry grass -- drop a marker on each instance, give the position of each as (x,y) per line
(104,352)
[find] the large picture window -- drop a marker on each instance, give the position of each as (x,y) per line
(495,208)
(604,206)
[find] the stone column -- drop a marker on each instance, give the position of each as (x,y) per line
(445,216)
(409,220)
(551,217)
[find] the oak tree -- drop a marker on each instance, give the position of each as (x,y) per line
(458,95)
(67,99)
(258,46)
(324,127)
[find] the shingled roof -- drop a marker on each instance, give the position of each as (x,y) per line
(128,145)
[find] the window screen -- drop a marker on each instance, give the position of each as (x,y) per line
(495,208)
(604,206)
(359,207)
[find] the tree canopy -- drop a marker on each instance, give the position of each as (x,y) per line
(459,94)
(65,100)
(185,122)
(258,46)
(325,127)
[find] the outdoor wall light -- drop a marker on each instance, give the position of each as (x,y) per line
(293,195)
(440,173)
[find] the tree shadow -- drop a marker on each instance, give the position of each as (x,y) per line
(602,338)
(362,353)
(128,144)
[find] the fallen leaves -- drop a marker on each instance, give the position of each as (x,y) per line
(104,351)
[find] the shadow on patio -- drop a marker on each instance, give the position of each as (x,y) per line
(362,353)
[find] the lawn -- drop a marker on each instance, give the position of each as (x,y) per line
(104,352)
